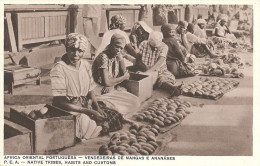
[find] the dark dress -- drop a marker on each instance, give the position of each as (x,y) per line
(175,59)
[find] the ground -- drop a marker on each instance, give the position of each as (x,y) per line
(215,127)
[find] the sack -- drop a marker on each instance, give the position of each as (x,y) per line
(113,122)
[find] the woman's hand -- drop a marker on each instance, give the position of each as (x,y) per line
(95,115)
(102,112)
(107,90)
(126,75)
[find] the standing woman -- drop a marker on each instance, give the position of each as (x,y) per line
(73,85)
(109,71)
(175,59)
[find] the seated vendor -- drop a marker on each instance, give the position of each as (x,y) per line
(139,33)
(152,62)
(180,36)
(117,25)
(109,71)
(199,46)
(73,85)
(175,59)
(200,30)
(221,28)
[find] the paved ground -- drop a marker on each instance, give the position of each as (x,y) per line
(222,127)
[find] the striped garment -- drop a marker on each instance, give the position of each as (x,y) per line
(70,82)
(75,85)
(150,57)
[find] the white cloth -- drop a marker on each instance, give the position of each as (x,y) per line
(122,101)
(107,37)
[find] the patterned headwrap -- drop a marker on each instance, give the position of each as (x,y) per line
(75,40)
(116,21)
(166,28)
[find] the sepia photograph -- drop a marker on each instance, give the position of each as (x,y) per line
(135,80)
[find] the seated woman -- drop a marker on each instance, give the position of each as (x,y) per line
(175,59)
(117,25)
(139,33)
(223,36)
(221,29)
(181,37)
(73,85)
(109,71)
(200,30)
(153,61)
(200,46)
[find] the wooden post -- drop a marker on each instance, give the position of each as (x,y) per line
(11,32)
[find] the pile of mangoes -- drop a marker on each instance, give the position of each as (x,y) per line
(140,140)
(165,112)
(38,114)
(211,88)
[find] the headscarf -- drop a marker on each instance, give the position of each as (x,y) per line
(223,17)
(75,40)
(117,38)
(201,21)
(145,26)
(190,27)
(155,38)
(166,28)
(116,21)
(183,24)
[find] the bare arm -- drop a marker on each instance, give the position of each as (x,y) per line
(157,65)
(129,48)
(217,33)
(64,103)
(108,82)
(121,64)
(185,41)
(95,105)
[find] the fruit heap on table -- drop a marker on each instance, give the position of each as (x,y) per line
(209,88)
(165,112)
(140,140)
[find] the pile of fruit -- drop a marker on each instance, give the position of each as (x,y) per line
(230,64)
(42,113)
(140,140)
(209,88)
(165,112)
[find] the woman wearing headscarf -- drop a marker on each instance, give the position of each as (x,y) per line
(153,54)
(109,71)
(175,59)
(199,46)
(73,85)
(221,29)
(181,36)
(223,36)
(139,33)
(200,31)
(117,25)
